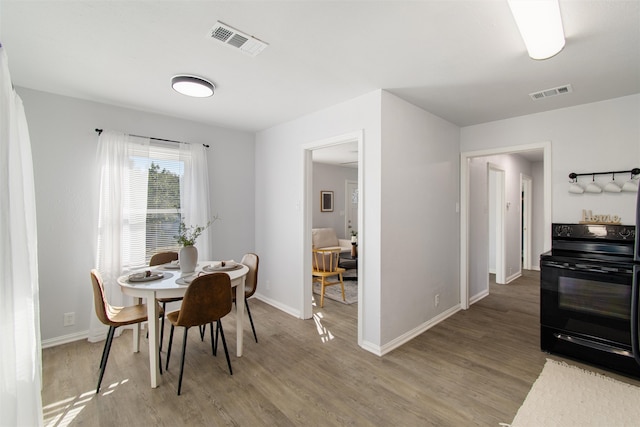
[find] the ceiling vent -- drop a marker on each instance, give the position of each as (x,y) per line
(560,90)
(236,39)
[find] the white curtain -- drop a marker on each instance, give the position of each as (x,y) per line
(121,214)
(20,354)
(194,194)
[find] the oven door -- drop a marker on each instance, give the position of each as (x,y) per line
(588,301)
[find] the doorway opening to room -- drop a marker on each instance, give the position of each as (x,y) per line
(474,211)
(333,210)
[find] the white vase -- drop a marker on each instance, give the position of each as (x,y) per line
(188,257)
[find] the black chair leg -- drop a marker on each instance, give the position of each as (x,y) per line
(184,350)
(213,343)
(164,310)
(224,343)
(202,328)
(215,353)
(246,304)
(105,355)
(169,347)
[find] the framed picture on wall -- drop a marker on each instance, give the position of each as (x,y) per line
(326,201)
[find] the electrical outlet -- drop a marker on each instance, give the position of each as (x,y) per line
(436,300)
(69,319)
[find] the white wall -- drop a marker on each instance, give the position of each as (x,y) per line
(280,183)
(537,214)
(64,147)
(331,178)
(596,137)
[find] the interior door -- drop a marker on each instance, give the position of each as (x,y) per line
(351,208)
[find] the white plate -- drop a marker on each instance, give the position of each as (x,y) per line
(142,277)
(171,266)
(211,269)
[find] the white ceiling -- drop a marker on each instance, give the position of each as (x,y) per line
(461,60)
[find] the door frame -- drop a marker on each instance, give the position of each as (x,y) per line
(465,158)
(499,213)
(526,188)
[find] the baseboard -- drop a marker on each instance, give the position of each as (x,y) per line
(65,339)
(289,310)
(408,336)
(535,267)
(513,277)
(474,299)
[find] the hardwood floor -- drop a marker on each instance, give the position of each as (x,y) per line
(475,368)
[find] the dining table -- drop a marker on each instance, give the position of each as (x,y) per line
(167,281)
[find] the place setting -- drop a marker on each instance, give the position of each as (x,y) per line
(147,276)
(215,267)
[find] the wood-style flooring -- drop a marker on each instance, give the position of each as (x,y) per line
(475,368)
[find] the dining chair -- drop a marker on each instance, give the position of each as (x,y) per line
(251,260)
(159,259)
(325,265)
(114,317)
(206,300)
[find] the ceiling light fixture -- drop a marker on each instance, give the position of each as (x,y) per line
(540,26)
(192,86)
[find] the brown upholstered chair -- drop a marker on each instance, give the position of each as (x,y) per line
(251,260)
(206,300)
(113,317)
(159,259)
(325,265)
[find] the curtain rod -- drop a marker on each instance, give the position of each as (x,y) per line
(99,131)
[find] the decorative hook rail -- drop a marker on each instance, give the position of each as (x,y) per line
(634,171)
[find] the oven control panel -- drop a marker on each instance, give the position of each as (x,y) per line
(594,231)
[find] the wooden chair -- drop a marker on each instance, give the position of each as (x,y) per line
(159,259)
(251,260)
(206,300)
(325,265)
(114,317)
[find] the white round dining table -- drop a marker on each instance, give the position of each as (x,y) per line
(171,286)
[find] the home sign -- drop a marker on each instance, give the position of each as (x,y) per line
(589,218)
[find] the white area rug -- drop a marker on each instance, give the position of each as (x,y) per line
(565,395)
(335,293)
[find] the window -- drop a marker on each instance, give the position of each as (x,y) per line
(155,177)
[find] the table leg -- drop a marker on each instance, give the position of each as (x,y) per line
(239,316)
(152,322)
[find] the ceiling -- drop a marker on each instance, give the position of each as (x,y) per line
(461,60)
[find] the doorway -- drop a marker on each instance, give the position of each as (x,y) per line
(308,197)
(465,214)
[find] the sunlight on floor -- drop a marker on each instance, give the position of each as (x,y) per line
(63,412)
(325,334)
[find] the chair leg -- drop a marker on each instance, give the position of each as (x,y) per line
(213,343)
(215,351)
(105,355)
(184,351)
(202,328)
(246,304)
(224,343)
(164,311)
(169,347)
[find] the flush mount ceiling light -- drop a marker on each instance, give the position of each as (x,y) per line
(192,86)
(540,26)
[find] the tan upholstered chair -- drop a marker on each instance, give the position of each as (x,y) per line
(159,259)
(206,300)
(114,317)
(251,260)
(325,265)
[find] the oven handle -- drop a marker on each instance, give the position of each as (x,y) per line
(634,313)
